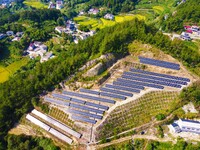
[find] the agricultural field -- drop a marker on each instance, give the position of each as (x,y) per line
(102,23)
(35,3)
(137,112)
(158,9)
(6,72)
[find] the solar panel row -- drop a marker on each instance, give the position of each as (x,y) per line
(159,63)
(123,88)
(116,92)
(154,78)
(89,91)
(58,102)
(86,108)
(160,75)
(125,84)
(78,101)
(130,82)
(78,118)
(89,97)
(85,114)
(97,105)
(113,95)
(151,81)
(61,96)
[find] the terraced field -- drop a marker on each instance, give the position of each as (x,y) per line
(6,72)
(102,23)
(137,112)
(35,4)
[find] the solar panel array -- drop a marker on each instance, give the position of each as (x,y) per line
(123,88)
(160,75)
(130,82)
(151,81)
(89,91)
(159,63)
(116,92)
(83,119)
(57,102)
(89,97)
(61,96)
(87,108)
(113,95)
(97,105)
(85,114)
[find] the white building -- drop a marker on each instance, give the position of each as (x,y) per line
(93,11)
(109,16)
(60,29)
(59,4)
(51,5)
(183,125)
(10,33)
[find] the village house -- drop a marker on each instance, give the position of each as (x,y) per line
(52,5)
(2,36)
(10,33)
(93,11)
(59,4)
(109,16)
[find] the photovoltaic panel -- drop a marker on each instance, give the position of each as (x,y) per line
(57,102)
(38,122)
(60,136)
(89,91)
(151,81)
(113,95)
(56,123)
(129,82)
(116,92)
(125,84)
(97,105)
(160,75)
(154,77)
(122,88)
(85,114)
(61,96)
(89,97)
(83,119)
(86,108)
(78,101)
(160,63)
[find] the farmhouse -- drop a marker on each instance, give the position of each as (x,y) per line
(109,16)
(51,5)
(10,33)
(183,125)
(2,36)
(93,11)
(59,4)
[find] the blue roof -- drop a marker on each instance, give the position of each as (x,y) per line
(192,121)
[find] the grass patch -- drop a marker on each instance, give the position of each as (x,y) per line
(6,72)
(35,4)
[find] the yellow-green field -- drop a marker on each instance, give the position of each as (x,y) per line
(6,72)
(35,4)
(158,9)
(102,23)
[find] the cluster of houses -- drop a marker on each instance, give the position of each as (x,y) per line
(183,125)
(189,31)
(95,11)
(16,37)
(5,3)
(39,49)
(71,29)
(58,5)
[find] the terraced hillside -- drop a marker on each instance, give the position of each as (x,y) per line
(138,112)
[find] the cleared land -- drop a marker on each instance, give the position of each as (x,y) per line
(35,4)
(6,72)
